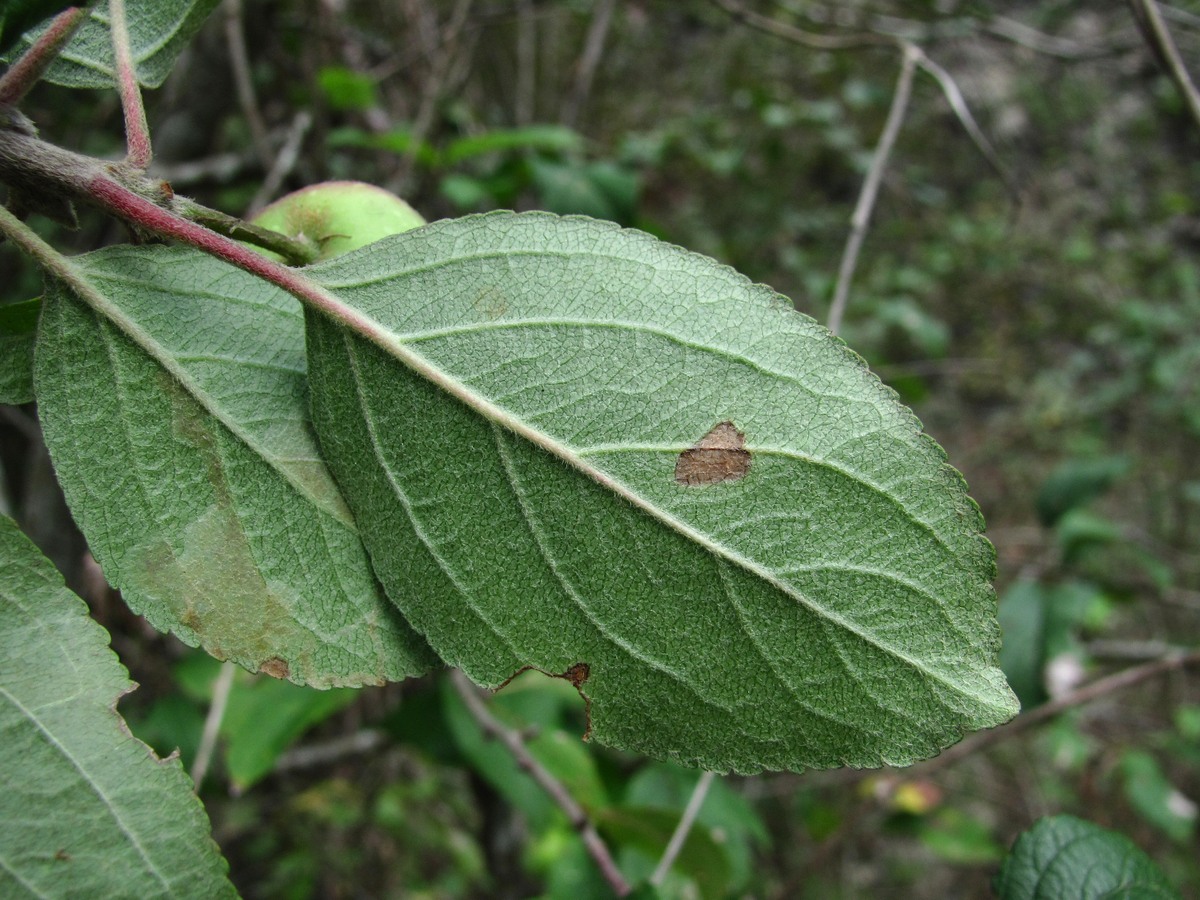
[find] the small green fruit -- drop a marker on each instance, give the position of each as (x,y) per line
(336,217)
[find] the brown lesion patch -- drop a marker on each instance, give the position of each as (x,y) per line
(720,455)
(275,667)
(576,673)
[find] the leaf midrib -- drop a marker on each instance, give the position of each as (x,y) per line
(103,304)
(379,334)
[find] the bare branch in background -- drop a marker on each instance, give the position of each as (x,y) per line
(212,723)
(285,161)
(683,828)
(585,69)
(959,105)
(239,64)
(494,729)
(799,35)
(526,100)
(443,61)
(1154,29)
(1102,687)
(870,188)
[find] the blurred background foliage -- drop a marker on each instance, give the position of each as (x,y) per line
(1044,323)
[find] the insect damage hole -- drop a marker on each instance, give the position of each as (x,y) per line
(720,455)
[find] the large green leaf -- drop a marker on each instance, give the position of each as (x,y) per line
(179,431)
(524,444)
(158,32)
(88,810)
(1065,858)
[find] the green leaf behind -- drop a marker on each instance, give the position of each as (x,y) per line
(88,810)
(159,30)
(512,457)
(179,432)
(1065,858)
(18,327)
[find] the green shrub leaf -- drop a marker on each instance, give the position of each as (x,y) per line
(1065,858)
(159,30)
(574,448)
(88,810)
(179,432)
(18,325)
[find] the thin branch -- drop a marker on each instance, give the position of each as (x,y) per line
(1102,687)
(212,723)
(239,64)
(1151,22)
(576,815)
(285,161)
(296,253)
(526,63)
(683,829)
(137,133)
(800,36)
(32,64)
(958,104)
(589,61)
(870,188)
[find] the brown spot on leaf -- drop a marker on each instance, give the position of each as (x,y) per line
(578,674)
(275,667)
(720,455)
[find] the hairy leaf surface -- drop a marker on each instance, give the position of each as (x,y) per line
(159,30)
(179,430)
(814,591)
(88,810)
(1063,856)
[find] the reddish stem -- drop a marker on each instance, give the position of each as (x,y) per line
(137,133)
(32,64)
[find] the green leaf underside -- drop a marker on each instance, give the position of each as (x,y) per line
(87,809)
(832,607)
(1064,856)
(178,428)
(17,327)
(159,30)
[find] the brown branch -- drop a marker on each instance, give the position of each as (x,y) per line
(1154,29)
(870,188)
(32,64)
(239,64)
(1102,687)
(589,61)
(576,815)
(800,36)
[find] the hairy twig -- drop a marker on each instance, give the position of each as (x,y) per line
(137,133)
(589,61)
(32,64)
(576,815)
(870,188)
(212,723)
(1102,687)
(683,828)
(1155,30)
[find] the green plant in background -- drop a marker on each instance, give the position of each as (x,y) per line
(503,442)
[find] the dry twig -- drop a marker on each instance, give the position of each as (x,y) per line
(576,815)
(870,188)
